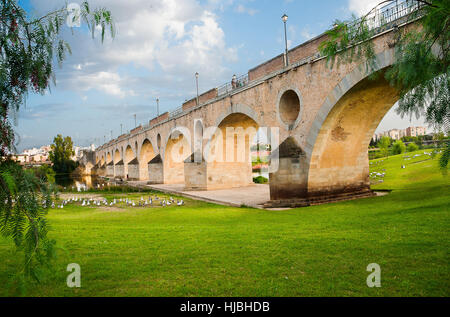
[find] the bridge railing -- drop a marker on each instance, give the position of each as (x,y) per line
(385,17)
(176,112)
(240,81)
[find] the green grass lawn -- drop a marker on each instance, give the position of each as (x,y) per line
(203,249)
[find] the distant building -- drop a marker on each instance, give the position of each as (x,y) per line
(394,134)
(80,151)
(397,134)
(416,131)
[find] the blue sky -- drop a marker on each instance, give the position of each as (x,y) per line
(159,46)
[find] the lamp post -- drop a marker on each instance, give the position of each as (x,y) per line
(121,130)
(135,123)
(157,107)
(286,58)
(196,80)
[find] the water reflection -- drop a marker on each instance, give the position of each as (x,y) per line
(79,183)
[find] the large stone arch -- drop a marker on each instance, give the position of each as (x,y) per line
(129,153)
(119,165)
(228,150)
(176,150)
(128,157)
(146,154)
(242,109)
(338,140)
(117,156)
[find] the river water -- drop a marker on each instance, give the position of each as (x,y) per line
(79,182)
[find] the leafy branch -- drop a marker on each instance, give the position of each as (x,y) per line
(28,50)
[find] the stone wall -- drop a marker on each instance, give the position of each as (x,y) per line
(195,176)
(229,175)
(156,173)
(133,171)
(110,171)
(119,171)
(210,94)
(291,178)
(161,118)
(296,54)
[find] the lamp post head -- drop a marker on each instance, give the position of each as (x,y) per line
(196,75)
(284,18)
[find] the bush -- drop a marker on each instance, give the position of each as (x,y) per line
(412,147)
(45,173)
(398,147)
(260,180)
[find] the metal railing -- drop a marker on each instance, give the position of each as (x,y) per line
(240,81)
(387,16)
(176,112)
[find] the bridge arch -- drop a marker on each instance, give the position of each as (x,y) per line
(117,156)
(176,151)
(240,109)
(129,154)
(147,153)
(341,132)
(229,150)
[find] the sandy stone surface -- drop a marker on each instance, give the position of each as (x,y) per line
(81,195)
(252,196)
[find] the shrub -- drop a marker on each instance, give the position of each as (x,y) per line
(398,147)
(260,180)
(412,147)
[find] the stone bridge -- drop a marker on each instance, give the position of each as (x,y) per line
(322,117)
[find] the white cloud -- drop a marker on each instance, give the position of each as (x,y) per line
(178,36)
(362,7)
(242,9)
(107,82)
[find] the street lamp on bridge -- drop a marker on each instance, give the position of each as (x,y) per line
(157,107)
(286,58)
(196,80)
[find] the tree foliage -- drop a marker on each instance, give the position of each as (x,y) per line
(398,147)
(61,154)
(412,147)
(383,145)
(45,173)
(421,70)
(24,202)
(29,48)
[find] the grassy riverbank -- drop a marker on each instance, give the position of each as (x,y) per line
(202,249)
